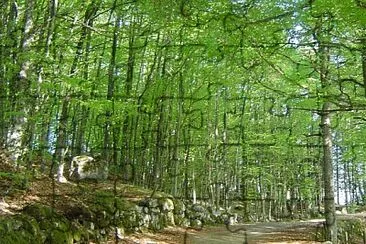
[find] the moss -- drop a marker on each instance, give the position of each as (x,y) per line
(79,233)
(39,211)
(30,225)
(179,206)
(56,228)
(105,207)
(19,229)
(103,201)
(60,237)
(14,238)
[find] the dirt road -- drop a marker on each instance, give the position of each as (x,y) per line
(270,232)
(294,232)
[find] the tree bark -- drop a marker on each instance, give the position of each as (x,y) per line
(110,93)
(363,61)
(20,83)
(329,207)
(322,35)
(60,151)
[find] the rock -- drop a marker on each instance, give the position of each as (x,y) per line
(196,223)
(232,219)
(179,207)
(55,227)
(224,218)
(20,229)
(166,205)
(145,210)
(155,210)
(146,220)
(216,213)
(156,223)
(119,233)
(185,223)
(149,203)
(79,212)
(198,211)
(238,207)
(181,220)
(60,237)
(169,219)
(131,220)
(198,208)
(153,203)
(61,179)
(85,167)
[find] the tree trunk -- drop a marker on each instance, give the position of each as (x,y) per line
(322,35)
(127,134)
(20,84)
(60,151)
(363,61)
(330,218)
(110,92)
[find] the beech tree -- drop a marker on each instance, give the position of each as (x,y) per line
(218,100)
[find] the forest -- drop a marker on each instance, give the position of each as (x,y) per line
(261,102)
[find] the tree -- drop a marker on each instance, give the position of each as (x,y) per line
(232,92)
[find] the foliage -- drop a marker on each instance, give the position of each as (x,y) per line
(199,99)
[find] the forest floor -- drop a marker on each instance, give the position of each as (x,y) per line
(61,196)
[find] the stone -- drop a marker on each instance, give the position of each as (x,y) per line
(145,210)
(156,222)
(86,167)
(198,208)
(216,213)
(169,219)
(119,233)
(179,207)
(196,223)
(155,210)
(166,204)
(185,222)
(20,229)
(60,237)
(232,219)
(146,220)
(61,179)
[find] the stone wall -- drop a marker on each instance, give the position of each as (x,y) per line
(106,217)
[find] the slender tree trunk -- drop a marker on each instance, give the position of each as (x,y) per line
(4,5)
(363,61)
(61,150)
(329,206)
(194,193)
(322,36)
(110,93)
(127,134)
(329,203)
(20,85)
(156,174)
